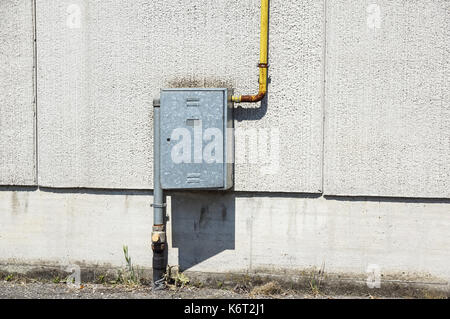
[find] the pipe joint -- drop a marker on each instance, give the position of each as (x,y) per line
(158,235)
(158,248)
(159,238)
(253,98)
(263,66)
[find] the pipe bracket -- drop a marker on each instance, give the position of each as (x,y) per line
(263,65)
(158,205)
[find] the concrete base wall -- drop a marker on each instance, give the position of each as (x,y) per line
(228,232)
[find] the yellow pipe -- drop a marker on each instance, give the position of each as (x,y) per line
(262,58)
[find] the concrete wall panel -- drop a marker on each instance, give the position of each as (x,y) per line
(17,108)
(95,94)
(102,63)
(219,233)
(387,112)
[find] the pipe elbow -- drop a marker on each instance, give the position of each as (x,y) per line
(253,98)
(263,66)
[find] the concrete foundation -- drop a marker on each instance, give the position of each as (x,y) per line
(221,233)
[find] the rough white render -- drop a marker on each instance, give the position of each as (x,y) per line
(98,75)
(387,113)
(17,108)
(222,233)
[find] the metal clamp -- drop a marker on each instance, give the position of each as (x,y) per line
(158,205)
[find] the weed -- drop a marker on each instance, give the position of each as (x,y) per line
(315,286)
(174,278)
(129,275)
(181,280)
(316,279)
(101,279)
(9,277)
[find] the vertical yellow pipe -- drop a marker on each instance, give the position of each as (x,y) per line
(263,49)
(264,30)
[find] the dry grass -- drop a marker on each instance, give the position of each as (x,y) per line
(268,289)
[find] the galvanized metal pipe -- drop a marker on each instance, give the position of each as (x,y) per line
(159,246)
(158,194)
(263,59)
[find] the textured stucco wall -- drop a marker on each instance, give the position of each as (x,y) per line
(220,233)
(101,63)
(17,108)
(387,114)
(97,79)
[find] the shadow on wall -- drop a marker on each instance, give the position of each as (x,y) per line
(203,225)
(253,112)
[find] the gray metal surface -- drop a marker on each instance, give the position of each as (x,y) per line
(158,195)
(188,117)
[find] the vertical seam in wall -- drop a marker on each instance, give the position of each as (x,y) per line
(324,90)
(36,153)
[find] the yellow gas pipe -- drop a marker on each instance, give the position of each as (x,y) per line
(262,58)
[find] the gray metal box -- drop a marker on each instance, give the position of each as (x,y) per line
(197,143)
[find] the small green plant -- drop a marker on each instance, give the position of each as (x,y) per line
(129,275)
(316,280)
(315,286)
(181,280)
(101,279)
(56,280)
(9,277)
(174,278)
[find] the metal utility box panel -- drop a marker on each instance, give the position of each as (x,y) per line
(197,144)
